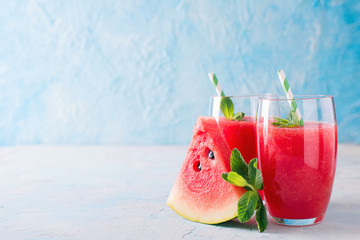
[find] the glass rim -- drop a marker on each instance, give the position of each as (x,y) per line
(245,96)
(297,97)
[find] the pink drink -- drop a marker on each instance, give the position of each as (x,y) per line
(298,167)
(240,135)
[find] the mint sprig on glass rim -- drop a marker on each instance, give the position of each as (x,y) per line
(227,108)
(249,177)
(290,121)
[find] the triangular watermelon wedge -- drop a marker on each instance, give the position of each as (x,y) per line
(199,192)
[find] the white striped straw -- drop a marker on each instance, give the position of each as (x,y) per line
(216,83)
(289,95)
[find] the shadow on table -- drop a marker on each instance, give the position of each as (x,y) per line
(340,217)
(250,225)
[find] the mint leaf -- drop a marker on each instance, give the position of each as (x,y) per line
(293,118)
(247,205)
(235,179)
(281,120)
(255,176)
(261,218)
(238,164)
(239,116)
(290,121)
(249,177)
(225,177)
(227,107)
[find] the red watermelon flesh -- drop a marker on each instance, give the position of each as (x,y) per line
(199,192)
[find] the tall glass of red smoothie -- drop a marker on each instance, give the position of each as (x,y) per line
(297,161)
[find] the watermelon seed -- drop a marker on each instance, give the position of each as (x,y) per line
(211,155)
(197,166)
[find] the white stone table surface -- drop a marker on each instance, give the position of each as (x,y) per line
(120,192)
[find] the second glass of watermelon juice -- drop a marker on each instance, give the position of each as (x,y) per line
(297,162)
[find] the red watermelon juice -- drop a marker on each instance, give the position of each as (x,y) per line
(298,167)
(240,135)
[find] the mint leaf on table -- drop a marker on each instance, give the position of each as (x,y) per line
(289,122)
(227,108)
(249,177)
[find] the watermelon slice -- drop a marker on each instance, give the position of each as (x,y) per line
(199,192)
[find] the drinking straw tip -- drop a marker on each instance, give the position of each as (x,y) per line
(289,95)
(214,80)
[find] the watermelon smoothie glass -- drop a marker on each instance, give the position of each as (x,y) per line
(238,134)
(298,163)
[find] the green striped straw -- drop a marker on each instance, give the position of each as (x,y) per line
(216,83)
(289,95)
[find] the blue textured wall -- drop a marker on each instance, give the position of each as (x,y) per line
(135,72)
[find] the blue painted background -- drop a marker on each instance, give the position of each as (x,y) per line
(135,71)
